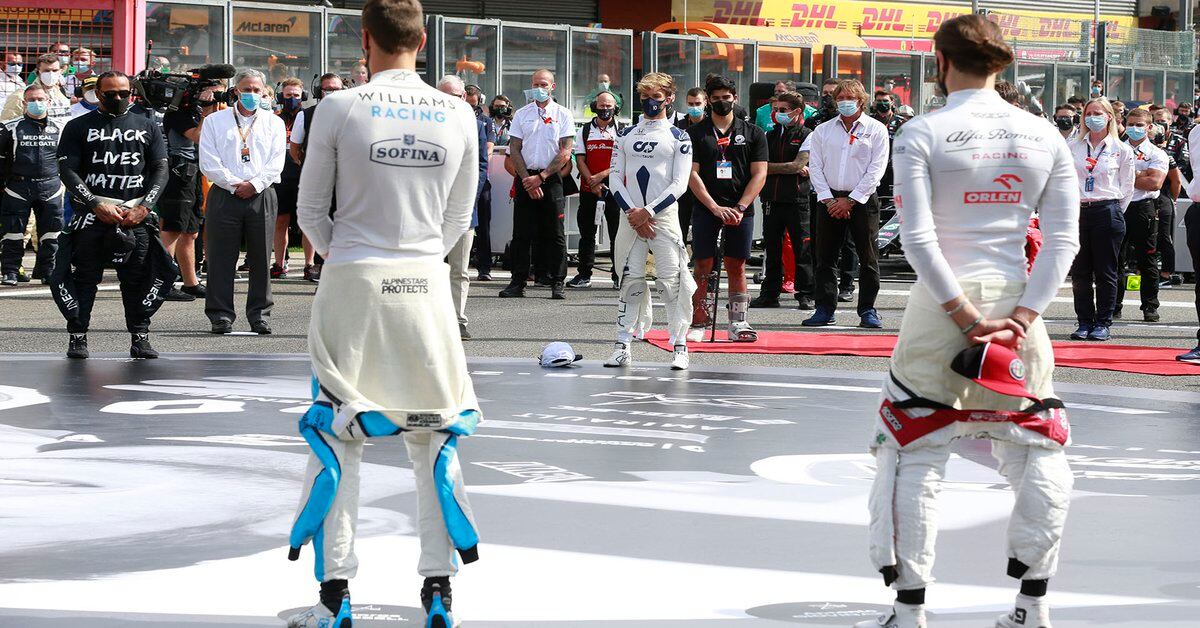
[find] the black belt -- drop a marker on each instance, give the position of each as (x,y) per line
(1144,200)
(19,177)
(1091,204)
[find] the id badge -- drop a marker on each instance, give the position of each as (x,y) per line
(245,155)
(724,170)
(1089,184)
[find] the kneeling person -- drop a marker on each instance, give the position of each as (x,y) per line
(651,165)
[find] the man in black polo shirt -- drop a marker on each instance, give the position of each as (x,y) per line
(728,171)
(785,203)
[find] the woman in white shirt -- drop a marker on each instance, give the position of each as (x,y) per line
(1105,167)
(967,179)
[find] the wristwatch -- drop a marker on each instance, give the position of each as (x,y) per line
(741,208)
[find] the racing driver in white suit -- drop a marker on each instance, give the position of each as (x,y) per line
(967,178)
(651,165)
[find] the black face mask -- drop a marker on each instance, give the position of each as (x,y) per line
(1163,134)
(501,112)
(882,106)
(1064,123)
(941,80)
(827,103)
(115,105)
(605,114)
(722,107)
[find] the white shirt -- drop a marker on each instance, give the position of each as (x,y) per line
(1147,156)
(539,131)
(10,83)
(1193,189)
(221,148)
(298,129)
(851,161)
(404,160)
(968,176)
(1113,171)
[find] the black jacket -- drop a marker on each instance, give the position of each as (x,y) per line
(783,144)
(29,147)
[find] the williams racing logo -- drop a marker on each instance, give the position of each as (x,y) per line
(405,285)
(1007,196)
(408,152)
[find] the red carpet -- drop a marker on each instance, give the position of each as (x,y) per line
(1104,356)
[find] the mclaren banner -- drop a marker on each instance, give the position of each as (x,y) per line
(888,19)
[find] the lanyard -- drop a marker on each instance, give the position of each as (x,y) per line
(853,128)
(722,142)
(237,119)
(1092,161)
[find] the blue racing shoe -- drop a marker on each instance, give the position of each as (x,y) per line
(1191,357)
(320,616)
(435,597)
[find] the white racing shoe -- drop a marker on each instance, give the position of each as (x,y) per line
(902,616)
(320,617)
(1029,612)
(620,357)
(695,333)
(680,361)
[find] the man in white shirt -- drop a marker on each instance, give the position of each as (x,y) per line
(11,80)
(242,150)
(83,62)
(848,157)
(541,138)
(1141,217)
(49,76)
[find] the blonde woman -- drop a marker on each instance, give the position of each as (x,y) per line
(1105,167)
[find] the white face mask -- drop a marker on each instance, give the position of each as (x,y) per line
(91,98)
(50,78)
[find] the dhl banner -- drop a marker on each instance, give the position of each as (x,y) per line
(889,19)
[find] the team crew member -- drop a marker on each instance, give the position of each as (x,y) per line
(849,156)
(884,110)
(785,203)
(697,105)
(460,255)
(1191,221)
(393,362)
(179,209)
(114,165)
(83,66)
(11,80)
(1065,120)
(1174,142)
(540,141)
(593,154)
(651,166)
(1141,218)
(500,115)
(88,102)
(50,77)
(972,288)
(728,171)
(326,84)
(764,115)
(242,152)
(1105,166)
(29,161)
(291,96)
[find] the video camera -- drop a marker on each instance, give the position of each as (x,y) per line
(172,92)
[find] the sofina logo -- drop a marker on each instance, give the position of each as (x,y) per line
(408,152)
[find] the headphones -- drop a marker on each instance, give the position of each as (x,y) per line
(279,96)
(617,108)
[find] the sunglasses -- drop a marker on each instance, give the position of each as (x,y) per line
(113,93)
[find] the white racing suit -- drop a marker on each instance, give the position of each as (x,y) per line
(651,165)
(911,450)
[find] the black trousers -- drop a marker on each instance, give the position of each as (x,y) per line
(1140,247)
(44,199)
(587,229)
(848,260)
(483,232)
(863,227)
(91,251)
(1166,233)
(792,219)
(230,221)
(1191,220)
(686,203)
(1101,231)
(540,221)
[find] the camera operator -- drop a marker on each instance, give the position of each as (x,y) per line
(180,205)
(114,164)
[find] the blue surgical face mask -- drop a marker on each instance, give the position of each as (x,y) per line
(36,108)
(847,107)
(538,94)
(1136,133)
(249,100)
(82,67)
(1095,91)
(696,112)
(1096,123)
(782,118)
(652,107)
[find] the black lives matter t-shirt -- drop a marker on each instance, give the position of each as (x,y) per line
(119,157)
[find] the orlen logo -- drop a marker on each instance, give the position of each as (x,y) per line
(644,147)
(996,196)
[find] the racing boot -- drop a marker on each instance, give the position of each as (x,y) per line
(139,347)
(77,348)
(320,616)
(1029,612)
(902,616)
(621,356)
(435,597)
(680,361)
